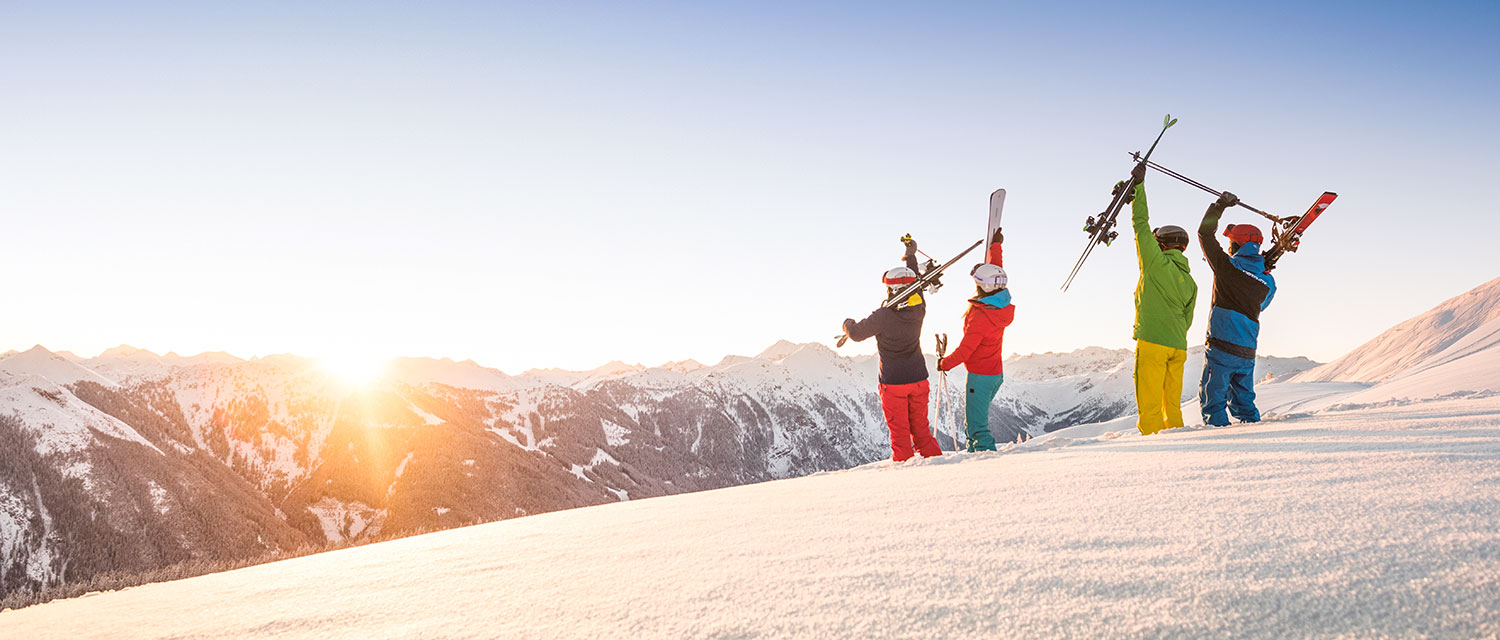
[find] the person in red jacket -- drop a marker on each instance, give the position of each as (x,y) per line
(989,313)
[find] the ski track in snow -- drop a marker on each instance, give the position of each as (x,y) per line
(1370,522)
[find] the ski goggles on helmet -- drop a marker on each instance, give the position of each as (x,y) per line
(899,276)
(989,275)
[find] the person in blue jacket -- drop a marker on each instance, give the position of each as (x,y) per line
(1242,290)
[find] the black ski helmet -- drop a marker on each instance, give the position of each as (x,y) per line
(1171,236)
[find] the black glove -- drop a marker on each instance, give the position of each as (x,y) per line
(911,245)
(940,363)
(998,237)
(1138,174)
(1227,200)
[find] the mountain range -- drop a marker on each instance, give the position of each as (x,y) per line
(130,460)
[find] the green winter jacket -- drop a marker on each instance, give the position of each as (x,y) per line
(1166,293)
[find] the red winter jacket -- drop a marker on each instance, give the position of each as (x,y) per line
(984,329)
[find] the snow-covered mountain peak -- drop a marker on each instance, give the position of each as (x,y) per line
(1414,344)
(207,357)
(466,375)
(778,351)
(731,360)
(617,368)
(683,366)
(38,361)
(125,363)
(126,351)
(810,354)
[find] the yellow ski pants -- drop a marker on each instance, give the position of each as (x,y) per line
(1158,386)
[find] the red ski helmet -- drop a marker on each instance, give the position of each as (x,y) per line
(1242,233)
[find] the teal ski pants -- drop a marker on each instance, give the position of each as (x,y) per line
(982,391)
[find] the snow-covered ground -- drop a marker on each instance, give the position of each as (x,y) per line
(1382,521)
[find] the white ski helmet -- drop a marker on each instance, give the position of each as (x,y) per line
(899,277)
(990,278)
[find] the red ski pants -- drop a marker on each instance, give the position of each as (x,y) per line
(905,408)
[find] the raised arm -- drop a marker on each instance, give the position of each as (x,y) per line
(1217,258)
(996,256)
(1147,251)
(911,254)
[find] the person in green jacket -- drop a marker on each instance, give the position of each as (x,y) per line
(1164,299)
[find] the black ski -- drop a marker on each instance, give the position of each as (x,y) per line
(1101,228)
(903,297)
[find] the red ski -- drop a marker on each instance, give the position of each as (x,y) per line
(1288,231)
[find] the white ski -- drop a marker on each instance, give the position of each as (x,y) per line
(997,204)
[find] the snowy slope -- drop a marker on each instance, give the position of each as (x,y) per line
(1452,350)
(59,421)
(1346,524)
(1411,344)
(39,362)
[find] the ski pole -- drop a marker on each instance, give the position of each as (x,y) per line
(907,238)
(942,347)
(942,393)
(1200,185)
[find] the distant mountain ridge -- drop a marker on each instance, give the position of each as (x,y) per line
(166,458)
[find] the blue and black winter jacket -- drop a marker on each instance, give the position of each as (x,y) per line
(1242,289)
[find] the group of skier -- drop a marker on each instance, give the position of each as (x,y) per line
(1164,299)
(897,330)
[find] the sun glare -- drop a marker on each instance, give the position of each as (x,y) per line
(354,370)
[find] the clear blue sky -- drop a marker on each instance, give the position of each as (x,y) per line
(563,184)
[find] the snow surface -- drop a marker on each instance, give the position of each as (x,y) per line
(1380,521)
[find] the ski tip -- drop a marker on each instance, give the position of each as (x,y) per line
(1168,121)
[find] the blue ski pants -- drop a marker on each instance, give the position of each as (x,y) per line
(982,391)
(1228,381)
